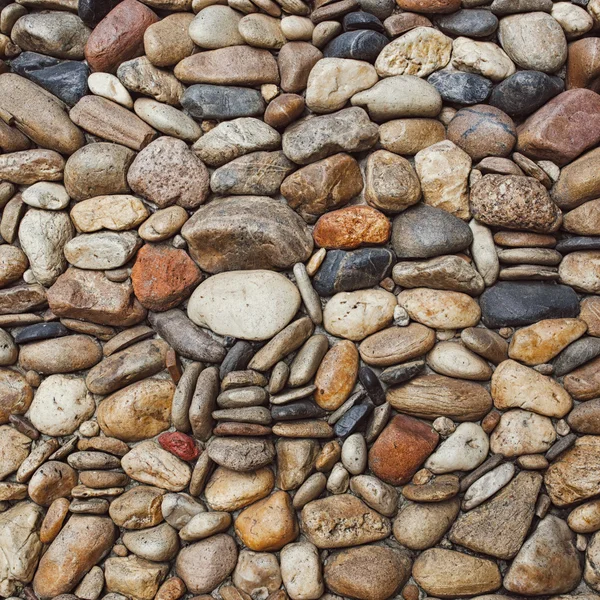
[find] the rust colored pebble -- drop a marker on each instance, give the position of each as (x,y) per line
(283,110)
(179,444)
(53,521)
(119,36)
(171,589)
(352,227)
(490,421)
(173,365)
(410,592)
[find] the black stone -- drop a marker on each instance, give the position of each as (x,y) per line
(40,331)
(524,92)
(473,23)
(382,9)
(362,20)
(574,244)
(372,385)
(303,409)
(576,354)
(352,420)
(401,373)
(66,79)
(514,303)
(560,446)
(92,12)
(346,271)
(360,45)
(237,358)
(461,88)
(424,232)
(222,102)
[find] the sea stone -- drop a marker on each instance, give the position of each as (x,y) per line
(15,394)
(482,58)
(336,375)
(580,271)
(295,61)
(348,130)
(60,355)
(405,437)
(241,454)
(582,383)
(461,88)
(167,41)
(362,44)
(342,520)
(396,345)
(521,432)
(229,490)
(252,305)
(134,575)
(216,27)
(222,235)
(102,250)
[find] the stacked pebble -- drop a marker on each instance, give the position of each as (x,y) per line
(299,301)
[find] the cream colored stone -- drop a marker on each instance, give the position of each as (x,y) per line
(482,58)
(167,119)
(574,20)
(522,432)
(108,86)
(117,213)
(454,360)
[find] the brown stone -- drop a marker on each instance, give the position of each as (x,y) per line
(336,375)
(437,489)
(398,24)
(15,394)
(11,139)
(514,202)
(409,136)
(269,524)
(396,345)
(61,355)
(138,508)
(563,129)
(590,313)
(90,296)
(584,383)
(119,36)
(22,298)
(583,220)
(283,110)
(54,519)
(486,343)
(30,166)
(295,61)
(402,447)
(429,6)
(163,277)
(235,65)
(482,131)
(323,186)
(111,121)
(518,239)
(13,264)
(578,182)
(583,64)
(585,417)
(51,481)
(167,41)
(352,227)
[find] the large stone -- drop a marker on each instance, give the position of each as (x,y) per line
(295,61)
(522,432)
(246,232)
(348,130)
(461,88)
(102,250)
(363,44)
(135,576)
(581,271)
(241,453)
(482,58)
(60,355)
(464,450)
(167,41)
(396,345)
(229,490)
(499,526)
(215,27)
(250,305)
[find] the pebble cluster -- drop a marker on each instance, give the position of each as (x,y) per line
(299,302)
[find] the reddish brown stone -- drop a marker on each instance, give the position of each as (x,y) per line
(562,129)
(429,6)
(398,24)
(337,375)
(401,449)
(352,227)
(295,61)
(179,444)
(119,36)
(243,429)
(284,110)
(583,64)
(163,276)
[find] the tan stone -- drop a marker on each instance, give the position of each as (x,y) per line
(117,213)
(482,58)
(396,345)
(167,42)
(228,490)
(584,383)
(409,136)
(336,375)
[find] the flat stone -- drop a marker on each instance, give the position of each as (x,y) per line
(103,250)
(474,23)
(454,360)
(241,454)
(167,41)
(138,508)
(16,394)
(61,355)
(158,543)
(222,102)
(572,272)
(216,27)
(134,575)
(483,483)
(396,345)
(582,383)
(575,355)
(362,44)
(348,130)
(231,224)
(409,136)
(336,375)
(342,520)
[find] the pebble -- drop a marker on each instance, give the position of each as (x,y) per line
(482,58)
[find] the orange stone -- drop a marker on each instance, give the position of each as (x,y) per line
(401,449)
(352,227)
(268,525)
(163,276)
(583,64)
(336,375)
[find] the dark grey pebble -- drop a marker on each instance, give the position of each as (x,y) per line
(222,102)
(461,88)
(362,20)
(359,45)
(237,358)
(40,331)
(303,409)
(372,385)
(401,373)
(473,23)
(576,354)
(352,420)
(575,244)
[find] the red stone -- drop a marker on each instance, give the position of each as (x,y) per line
(179,444)
(401,449)
(163,276)
(583,64)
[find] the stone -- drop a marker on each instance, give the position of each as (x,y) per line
(340,521)
(584,518)
(284,110)
(261,31)
(463,450)
(295,461)
(235,65)
(119,36)
(66,393)
(204,101)
(241,454)
(571,272)
(355,315)
(422,525)
(167,41)
(577,108)
(150,464)
(229,490)
(522,432)
(295,61)
(51,481)
(583,220)
(46,195)
(134,575)
(582,382)
(336,375)
(138,508)
(324,185)
(16,394)
(301,571)
(159,543)
(536,28)
(574,20)
(473,23)
(277,223)
(576,354)
(138,411)
(27,167)
(405,437)
(362,44)
(13,263)
(447,573)
(216,27)
(461,88)
(424,231)
(588,314)
(97,170)
(399,96)
(103,250)
(409,136)
(559,572)
(396,345)
(482,58)
(163,224)
(333,81)
(297,28)
(65,79)
(205,564)
(82,542)
(89,295)
(454,360)
(21,545)
(257,573)
(108,86)
(368,572)
(14,449)
(269,524)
